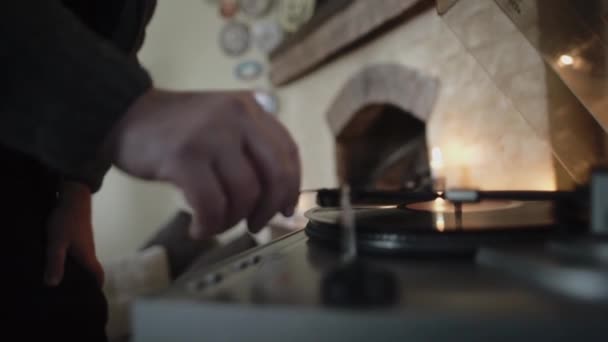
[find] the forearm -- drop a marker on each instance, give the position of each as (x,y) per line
(63,88)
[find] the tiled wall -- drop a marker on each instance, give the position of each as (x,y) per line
(542,99)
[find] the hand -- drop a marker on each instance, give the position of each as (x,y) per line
(70,232)
(232,160)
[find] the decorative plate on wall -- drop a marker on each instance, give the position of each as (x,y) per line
(256,8)
(229,8)
(248,70)
(235,38)
(295,13)
(267,35)
(267,100)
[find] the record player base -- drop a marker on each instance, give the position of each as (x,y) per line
(274,293)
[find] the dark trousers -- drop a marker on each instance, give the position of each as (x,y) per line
(74,311)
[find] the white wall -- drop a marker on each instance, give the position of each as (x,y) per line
(181,52)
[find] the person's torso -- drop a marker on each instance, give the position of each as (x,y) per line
(29,187)
(120,21)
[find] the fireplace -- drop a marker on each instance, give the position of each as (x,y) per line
(463,85)
(383,147)
(379,125)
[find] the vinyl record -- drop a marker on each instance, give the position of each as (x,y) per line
(422,229)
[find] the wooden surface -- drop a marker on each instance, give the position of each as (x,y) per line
(324,11)
(344,29)
(444,5)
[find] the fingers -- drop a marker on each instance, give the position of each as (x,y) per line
(231,160)
(277,177)
(291,156)
(240,184)
(204,193)
(94,266)
(84,254)
(288,153)
(55,261)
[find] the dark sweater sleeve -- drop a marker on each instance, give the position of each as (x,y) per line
(63,88)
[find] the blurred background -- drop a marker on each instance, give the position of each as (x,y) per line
(180,52)
(385,100)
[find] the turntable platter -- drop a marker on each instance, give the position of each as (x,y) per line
(441,206)
(485,216)
(420,227)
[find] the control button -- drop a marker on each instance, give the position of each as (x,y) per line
(256,259)
(199,285)
(241,265)
(196,286)
(213,279)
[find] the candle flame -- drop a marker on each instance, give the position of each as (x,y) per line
(436,158)
(566,60)
(439,205)
(440,222)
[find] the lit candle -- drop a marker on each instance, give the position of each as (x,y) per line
(439,205)
(440,221)
(566,60)
(437,170)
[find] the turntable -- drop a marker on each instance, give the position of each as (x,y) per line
(445,265)
(456,222)
(393,266)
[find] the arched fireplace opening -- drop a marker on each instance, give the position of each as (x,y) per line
(383,147)
(379,119)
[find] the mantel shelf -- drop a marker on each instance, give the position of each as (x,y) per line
(358,21)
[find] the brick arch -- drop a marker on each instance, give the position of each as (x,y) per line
(379,122)
(394,84)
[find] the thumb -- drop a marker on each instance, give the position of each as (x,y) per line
(196,230)
(55,261)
